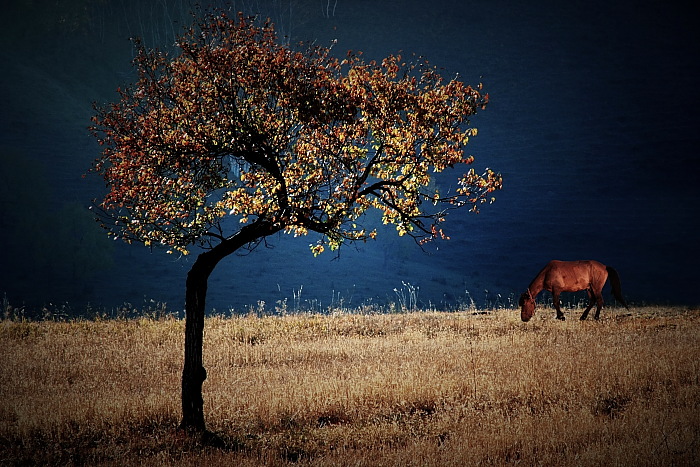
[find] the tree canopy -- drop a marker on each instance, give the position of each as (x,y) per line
(236,137)
(239,127)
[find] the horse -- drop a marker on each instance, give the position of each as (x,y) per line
(571,276)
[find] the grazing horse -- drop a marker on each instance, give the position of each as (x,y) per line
(571,276)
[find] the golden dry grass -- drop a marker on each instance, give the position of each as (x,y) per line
(346,389)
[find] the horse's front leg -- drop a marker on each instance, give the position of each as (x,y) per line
(555,299)
(590,305)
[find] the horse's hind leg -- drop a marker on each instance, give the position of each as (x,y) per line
(555,299)
(590,305)
(599,304)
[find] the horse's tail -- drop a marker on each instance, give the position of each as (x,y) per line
(616,287)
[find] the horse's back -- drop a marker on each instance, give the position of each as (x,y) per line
(577,267)
(584,262)
(572,276)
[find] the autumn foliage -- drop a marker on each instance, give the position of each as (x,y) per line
(237,137)
(238,126)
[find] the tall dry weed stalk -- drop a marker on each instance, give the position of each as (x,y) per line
(403,389)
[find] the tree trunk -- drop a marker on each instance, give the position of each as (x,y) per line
(193,373)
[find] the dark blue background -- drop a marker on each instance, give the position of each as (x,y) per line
(592,122)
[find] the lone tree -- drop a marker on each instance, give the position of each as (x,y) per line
(237,137)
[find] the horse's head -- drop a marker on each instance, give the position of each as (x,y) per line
(527,306)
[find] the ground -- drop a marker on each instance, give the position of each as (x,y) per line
(423,388)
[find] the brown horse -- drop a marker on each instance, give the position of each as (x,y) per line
(571,276)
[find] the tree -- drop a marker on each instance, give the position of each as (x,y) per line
(237,137)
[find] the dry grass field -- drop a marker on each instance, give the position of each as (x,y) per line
(420,388)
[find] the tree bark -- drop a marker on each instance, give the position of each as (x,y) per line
(193,372)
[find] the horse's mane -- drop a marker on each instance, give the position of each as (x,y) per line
(539,278)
